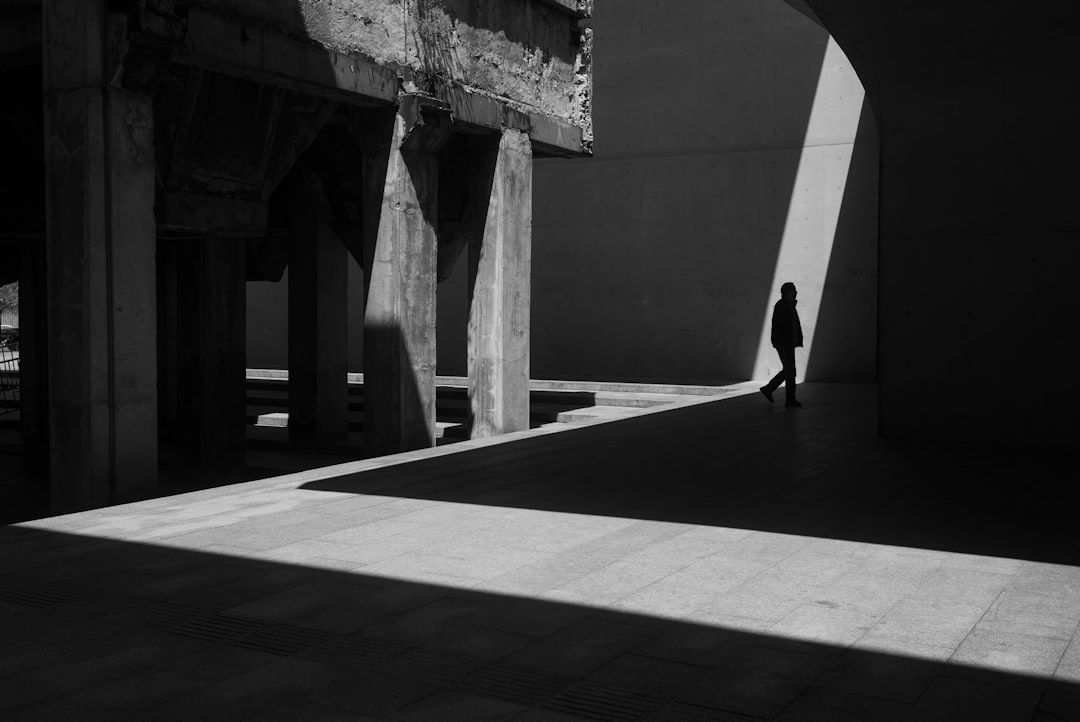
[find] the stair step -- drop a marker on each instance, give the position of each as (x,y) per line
(597,412)
(280,420)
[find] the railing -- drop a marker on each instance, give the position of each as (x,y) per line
(10,398)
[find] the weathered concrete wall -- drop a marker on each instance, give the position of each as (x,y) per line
(657,259)
(526,51)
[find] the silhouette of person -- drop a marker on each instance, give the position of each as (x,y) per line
(786,337)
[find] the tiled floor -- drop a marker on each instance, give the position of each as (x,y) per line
(726,560)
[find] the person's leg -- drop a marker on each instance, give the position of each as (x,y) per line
(773,384)
(787,358)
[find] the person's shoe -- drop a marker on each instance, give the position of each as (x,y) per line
(766,393)
(792,402)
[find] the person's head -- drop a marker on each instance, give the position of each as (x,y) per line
(787,291)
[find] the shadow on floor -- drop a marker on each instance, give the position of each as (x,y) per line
(103,629)
(819,471)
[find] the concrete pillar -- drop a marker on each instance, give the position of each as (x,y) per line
(211,385)
(500,256)
(100,240)
(401,175)
(318,322)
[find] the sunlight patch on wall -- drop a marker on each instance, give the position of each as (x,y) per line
(816,200)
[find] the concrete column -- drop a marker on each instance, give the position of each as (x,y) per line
(318,322)
(500,256)
(211,386)
(401,175)
(100,240)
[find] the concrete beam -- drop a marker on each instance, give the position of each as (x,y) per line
(500,255)
(576,8)
(273,59)
(550,135)
(213,215)
(214,43)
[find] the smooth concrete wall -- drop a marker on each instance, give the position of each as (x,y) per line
(725,152)
(979,229)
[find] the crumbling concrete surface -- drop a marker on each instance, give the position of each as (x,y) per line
(535,54)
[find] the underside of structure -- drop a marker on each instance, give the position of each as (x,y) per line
(162,153)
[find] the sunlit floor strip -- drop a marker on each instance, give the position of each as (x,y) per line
(983,612)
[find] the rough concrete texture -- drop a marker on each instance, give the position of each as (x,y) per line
(530,52)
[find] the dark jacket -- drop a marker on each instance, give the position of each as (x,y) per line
(786,329)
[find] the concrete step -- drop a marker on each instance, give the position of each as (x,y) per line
(269,377)
(597,412)
(280,420)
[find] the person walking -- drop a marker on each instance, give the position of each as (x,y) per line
(786,337)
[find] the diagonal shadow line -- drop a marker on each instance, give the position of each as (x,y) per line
(104,626)
(735,463)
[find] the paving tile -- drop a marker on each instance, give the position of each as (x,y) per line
(136,691)
(303,711)
(285,605)
(580,647)
(1060,701)
(73,674)
(211,664)
(370,693)
(443,706)
(25,656)
(1003,699)
(216,598)
(673,597)
(767,548)
(757,681)
(1055,580)
(1008,652)
(341,619)
(535,617)
(824,705)
(615,581)
(765,599)
(247,694)
(63,709)
(718,573)
(530,580)
(651,675)
(425,623)
(693,645)
(18,694)
(927,622)
(1032,614)
(860,592)
(377,529)
(816,565)
(996,565)
(891,675)
(474,562)
(824,624)
(1068,669)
